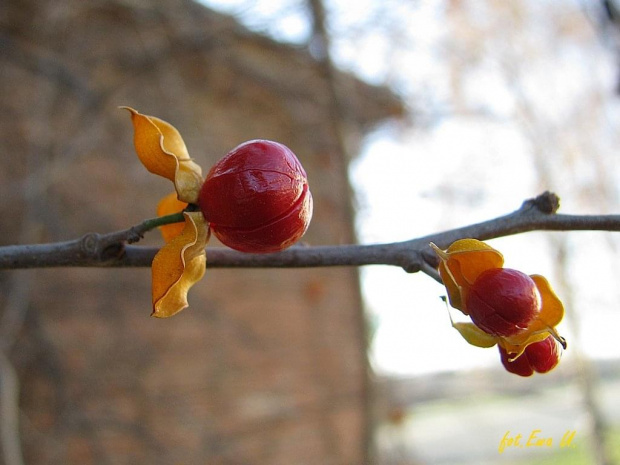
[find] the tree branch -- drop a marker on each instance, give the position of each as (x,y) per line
(110,250)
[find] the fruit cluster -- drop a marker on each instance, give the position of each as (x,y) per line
(255,199)
(507,307)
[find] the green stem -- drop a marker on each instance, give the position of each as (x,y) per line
(153,223)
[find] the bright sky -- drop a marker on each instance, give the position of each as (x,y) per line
(469,166)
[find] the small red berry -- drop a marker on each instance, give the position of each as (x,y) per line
(256,198)
(540,357)
(503,301)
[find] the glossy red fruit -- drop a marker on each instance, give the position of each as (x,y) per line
(503,301)
(540,357)
(256,199)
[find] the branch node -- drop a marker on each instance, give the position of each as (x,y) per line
(547,203)
(89,244)
(411,266)
(429,266)
(134,235)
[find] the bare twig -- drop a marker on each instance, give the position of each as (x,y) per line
(110,250)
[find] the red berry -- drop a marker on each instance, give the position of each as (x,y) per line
(256,198)
(543,356)
(503,301)
(520,366)
(540,357)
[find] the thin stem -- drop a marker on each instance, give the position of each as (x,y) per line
(148,225)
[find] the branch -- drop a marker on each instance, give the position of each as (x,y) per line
(110,250)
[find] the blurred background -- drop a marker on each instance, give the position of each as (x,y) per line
(410,117)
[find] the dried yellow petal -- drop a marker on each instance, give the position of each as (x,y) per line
(162,151)
(552,309)
(168,206)
(474,335)
(461,264)
(178,266)
(515,345)
(468,258)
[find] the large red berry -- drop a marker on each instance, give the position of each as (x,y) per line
(503,301)
(256,198)
(540,357)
